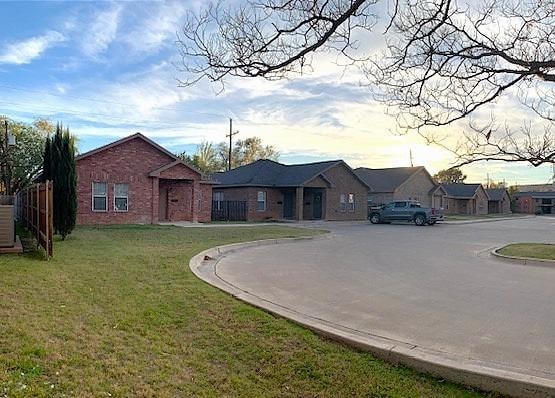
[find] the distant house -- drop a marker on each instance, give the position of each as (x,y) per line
(465,199)
(310,191)
(535,202)
(136,181)
(401,183)
(499,201)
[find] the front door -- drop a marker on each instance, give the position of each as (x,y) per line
(288,205)
(317,206)
(163,204)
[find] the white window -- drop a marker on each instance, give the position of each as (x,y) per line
(121,197)
(342,202)
(99,196)
(218,198)
(261,201)
(351,198)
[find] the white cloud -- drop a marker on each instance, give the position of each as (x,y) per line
(23,52)
(156,29)
(101,33)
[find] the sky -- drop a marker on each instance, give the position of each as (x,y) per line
(110,69)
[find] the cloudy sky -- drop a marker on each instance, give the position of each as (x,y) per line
(109,69)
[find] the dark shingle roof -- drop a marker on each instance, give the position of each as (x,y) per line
(386,180)
(496,194)
(547,194)
(267,173)
(464,191)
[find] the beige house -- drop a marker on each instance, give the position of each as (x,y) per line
(499,201)
(465,199)
(401,183)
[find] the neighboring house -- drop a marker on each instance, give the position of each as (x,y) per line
(535,202)
(136,181)
(536,188)
(499,201)
(465,199)
(272,191)
(401,183)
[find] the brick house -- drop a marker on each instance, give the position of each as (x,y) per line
(401,183)
(465,199)
(499,201)
(136,181)
(535,202)
(273,191)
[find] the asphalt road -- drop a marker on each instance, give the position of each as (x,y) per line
(433,287)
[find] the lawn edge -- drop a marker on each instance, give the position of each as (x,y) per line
(539,262)
(458,370)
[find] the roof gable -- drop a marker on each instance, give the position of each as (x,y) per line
(177,169)
(497,194)
(269,173)
(125,140)
(388,179)
(462,191)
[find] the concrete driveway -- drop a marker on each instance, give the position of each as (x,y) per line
(431,287)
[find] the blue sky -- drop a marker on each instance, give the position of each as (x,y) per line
(109,69)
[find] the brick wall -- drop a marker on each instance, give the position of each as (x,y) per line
(274,201)
(343,181)
(417,187)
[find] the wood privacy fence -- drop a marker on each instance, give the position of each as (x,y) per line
(34,210)
(229,210)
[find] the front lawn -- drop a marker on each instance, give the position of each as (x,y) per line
(118,313)
(532,250)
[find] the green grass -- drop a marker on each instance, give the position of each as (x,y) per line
(532,250)
(118,313)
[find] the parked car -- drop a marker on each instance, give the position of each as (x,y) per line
(405,210)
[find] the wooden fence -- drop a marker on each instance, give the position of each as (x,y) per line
(229,210)
(34,210)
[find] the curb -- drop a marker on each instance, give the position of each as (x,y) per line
(478,221)
(440,364)
(538,262)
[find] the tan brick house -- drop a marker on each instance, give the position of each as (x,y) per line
(401,183)
(310,191)
(469,199)
(136,181)
(499,201)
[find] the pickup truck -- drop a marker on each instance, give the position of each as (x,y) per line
(405,210)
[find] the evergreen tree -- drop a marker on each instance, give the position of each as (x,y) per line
(62,171)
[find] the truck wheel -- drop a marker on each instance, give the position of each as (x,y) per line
(375,218)
(419,220)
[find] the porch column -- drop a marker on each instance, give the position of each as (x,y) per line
(195,200)
(299,201)
(155,200)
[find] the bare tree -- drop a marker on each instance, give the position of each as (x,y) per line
(445,61)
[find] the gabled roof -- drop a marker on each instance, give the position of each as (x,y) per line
(461,191)
(386,180)
(156,173)
(496,194)
(124,140)
(537,194)
(268,173)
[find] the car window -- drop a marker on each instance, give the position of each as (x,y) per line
(400,204)
(415,205)
(389,206)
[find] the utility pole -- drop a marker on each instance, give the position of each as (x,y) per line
(410,155)
(230,135)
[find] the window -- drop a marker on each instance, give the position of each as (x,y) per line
(342,202)
(100,196)
(413,205)
(400,204)
(218,199)
(261,201)
(351,198)
(121,197)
